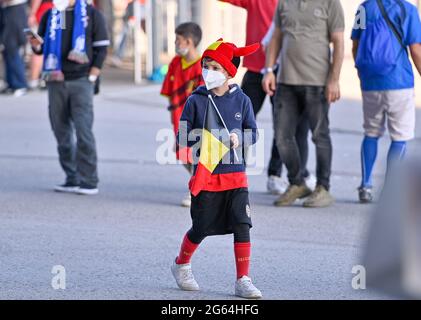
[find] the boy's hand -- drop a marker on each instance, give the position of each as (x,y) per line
(235,142)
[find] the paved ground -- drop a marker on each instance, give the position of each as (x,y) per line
(120,244)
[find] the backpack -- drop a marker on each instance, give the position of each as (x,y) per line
(377,55)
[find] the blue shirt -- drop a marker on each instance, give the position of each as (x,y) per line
(402,77)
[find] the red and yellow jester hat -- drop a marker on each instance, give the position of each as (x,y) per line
(224,53)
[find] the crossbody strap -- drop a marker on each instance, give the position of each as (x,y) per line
(390,23)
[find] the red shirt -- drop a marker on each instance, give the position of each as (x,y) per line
(259,18)
(224,182)
(181,80)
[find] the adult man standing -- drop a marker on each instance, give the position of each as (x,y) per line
(308,82)
(387,81)
(14,20)
(259,19)
(73,57)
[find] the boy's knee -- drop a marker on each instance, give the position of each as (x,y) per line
(241,232)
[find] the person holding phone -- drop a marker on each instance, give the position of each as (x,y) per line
(73,58)
(37,9)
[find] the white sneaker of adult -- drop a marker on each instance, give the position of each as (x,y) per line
(20,92)
(311,181)
(244,288)
(67,188)
(183,275)
(186,202)
(87,190)
(276,185)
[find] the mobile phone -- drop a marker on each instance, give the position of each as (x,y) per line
(30,33)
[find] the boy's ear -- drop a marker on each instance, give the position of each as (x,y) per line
(190,42)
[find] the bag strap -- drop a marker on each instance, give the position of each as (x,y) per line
(390,23)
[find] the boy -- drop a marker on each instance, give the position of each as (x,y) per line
(183,77)
(220,203)
(388,95)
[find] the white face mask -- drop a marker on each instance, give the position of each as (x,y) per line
(61,4)
(213,79)
(182,51)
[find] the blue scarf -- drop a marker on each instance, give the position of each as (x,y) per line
(52,46)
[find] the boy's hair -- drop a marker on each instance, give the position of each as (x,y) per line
(190,30)
(235,61)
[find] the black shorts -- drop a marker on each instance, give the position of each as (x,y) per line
(214,213)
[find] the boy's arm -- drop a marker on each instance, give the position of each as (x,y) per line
(355,45)
(250,131)
(186,125)
(416,56)
(167,85)
(238,3)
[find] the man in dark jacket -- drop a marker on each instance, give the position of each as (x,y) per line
(73,57)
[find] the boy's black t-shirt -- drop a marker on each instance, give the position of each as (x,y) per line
(97,41)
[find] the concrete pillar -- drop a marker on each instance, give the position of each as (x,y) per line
(157,34)
(184,11)
(137,44)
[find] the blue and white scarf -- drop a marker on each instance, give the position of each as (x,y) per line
(52,46)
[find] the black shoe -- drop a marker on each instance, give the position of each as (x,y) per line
(87,190)
(68,187)
(365,195)
(6,91)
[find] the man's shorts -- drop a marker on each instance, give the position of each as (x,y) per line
(215,213)
(394,107)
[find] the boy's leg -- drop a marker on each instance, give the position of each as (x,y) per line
(401,123)
(240,208)
(374,127)
(181,267)
(368,158)
(396,154)
(189,245)
(242,249)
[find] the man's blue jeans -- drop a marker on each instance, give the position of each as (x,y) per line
(15,70)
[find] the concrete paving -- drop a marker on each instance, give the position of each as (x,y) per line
(121,243)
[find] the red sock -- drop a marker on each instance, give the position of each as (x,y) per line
(242,258)
(186,251)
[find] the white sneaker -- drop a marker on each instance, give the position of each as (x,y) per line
(20,92)
(276,185)
(244,288)
(87,190)
(184,277)
(186,202)
(116,62)
(67,188)
(311,181)
(33,84)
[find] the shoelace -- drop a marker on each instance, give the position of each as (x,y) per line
(187,275)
